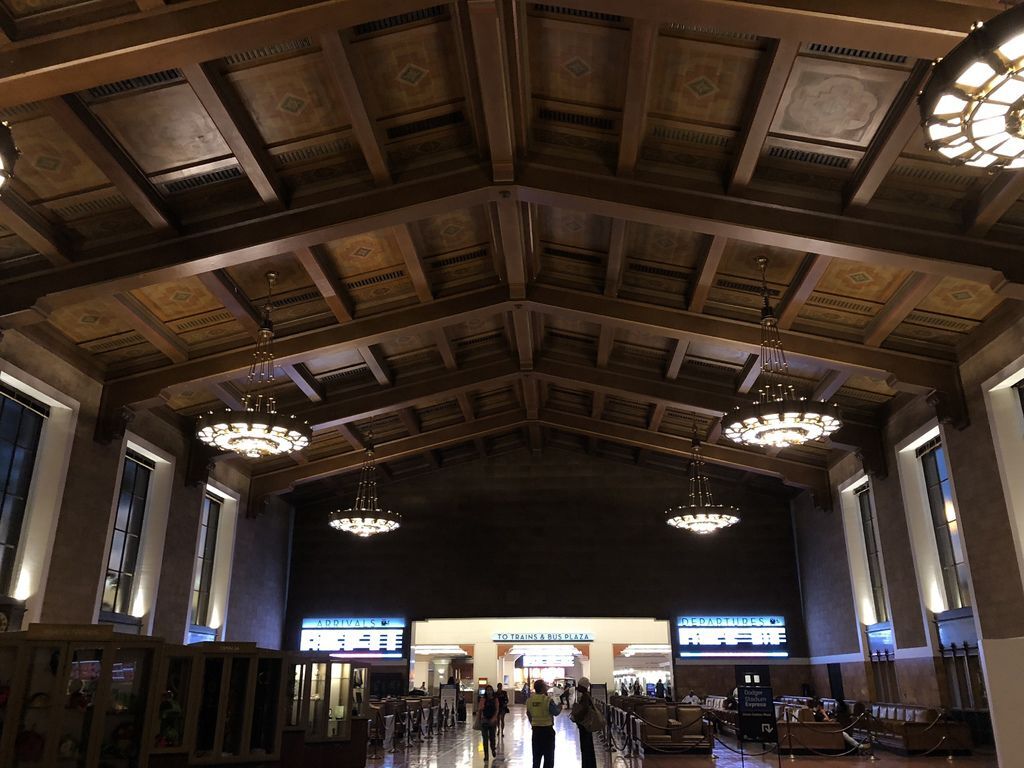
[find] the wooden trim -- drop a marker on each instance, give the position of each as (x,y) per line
(493,70)
(616,258)
(523,333)
(748,374)
(830,383)
(445,349)
(705,275)
(913,291)
(605,345)
(30,225)
(152,330)
(769,92)
(377,364)
(320,270)
(994,201)
(227,292)
(806,280)
(642,41)
(413,262)
(238,130)
(675,362)
(303,378)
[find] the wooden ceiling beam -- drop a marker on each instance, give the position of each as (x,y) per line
(748,374)
(896,309)
(184,33)
(830,383)
(409,420)
(889,141)
(616,258)
(28,224)
(351,436)
(995,200)
(227,393)
(421,392)
(304,379)
(642,41)
(704,278)
(679,347)
(283,480)
(227,292)
(445,349)
(85,130)
(151,329)
(523,333)
(298,347)
(366,130)
(376,363)
(413,262)
(492,65)
(318,266)
(531,396)
(597,402)
(605,344)
(512,244)
(986,261)
(656,417)
(829,353)
(769,93)
(101,273)
(806,280)
(918,28)
(792,472)
(465,406)
(238,130)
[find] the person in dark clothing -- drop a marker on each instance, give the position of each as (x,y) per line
(584,703)
(624,689)
(659,689)
(488,709)
(502,696)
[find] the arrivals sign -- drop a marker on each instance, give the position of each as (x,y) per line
(354,638)
(731,636)
(543,637)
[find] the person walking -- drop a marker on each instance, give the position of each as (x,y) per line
(584,703)
(487,710)
(541,711)
(659,689)
(502,696)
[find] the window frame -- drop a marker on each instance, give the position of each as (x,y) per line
(134,527)
(945,523)
(873,552)
(207,552)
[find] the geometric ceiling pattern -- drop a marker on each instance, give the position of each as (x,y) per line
(496,224)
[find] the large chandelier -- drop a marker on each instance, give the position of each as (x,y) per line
(778,417)
(8,153)
(257,430)
(702,515)
(973,105)
(366,517)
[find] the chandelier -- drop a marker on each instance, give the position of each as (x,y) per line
(257,429)
(778,417)
(973,105)
(366,517)
(702,515)
(8,153)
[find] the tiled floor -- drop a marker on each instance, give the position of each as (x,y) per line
(462,748)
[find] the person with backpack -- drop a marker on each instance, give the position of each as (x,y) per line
(502,696)
(541,711)
(588,720)
(487,710)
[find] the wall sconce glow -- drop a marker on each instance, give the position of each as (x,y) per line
(23,590)
(215,618)
(867,612)
(139,604)
(936,598)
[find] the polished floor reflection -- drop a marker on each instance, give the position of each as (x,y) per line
(462,748)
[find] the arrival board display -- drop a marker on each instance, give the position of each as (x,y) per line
(354,638)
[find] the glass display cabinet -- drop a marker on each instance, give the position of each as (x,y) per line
(229,706)
(74,696)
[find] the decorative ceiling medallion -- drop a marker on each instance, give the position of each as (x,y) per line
(702,87)
(363,252)
(860,277)
(577,67)
(181,296)
(292,104)
(88,319)
(451,230)
(47,163)
(411,74)
(572,224)
(665,243)
(962,295)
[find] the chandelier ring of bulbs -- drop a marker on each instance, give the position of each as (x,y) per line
(973,104)
(702,515)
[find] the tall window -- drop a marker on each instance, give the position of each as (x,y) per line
(21,423)
(867,523)
(947,527)
(124,543)
(203,582)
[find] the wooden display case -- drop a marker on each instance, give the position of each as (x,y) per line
(74,696)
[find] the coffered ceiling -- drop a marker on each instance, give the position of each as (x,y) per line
(497,223)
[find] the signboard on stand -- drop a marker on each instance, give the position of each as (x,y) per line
(599,693)
(449,694)
(755,705)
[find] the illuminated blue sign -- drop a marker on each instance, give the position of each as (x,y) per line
(731,636)
(354,638)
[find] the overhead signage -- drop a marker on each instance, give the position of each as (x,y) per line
(548,661)
(543,637)
(731,636)
(354,638)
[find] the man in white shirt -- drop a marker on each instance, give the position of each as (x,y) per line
(691,698)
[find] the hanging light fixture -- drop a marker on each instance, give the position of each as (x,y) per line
(778,417)
(702,515)
(366,517)
(257,430)
(972,107)
(8,153)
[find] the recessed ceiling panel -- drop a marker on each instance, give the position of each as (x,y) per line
(578,63)
(52,165)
